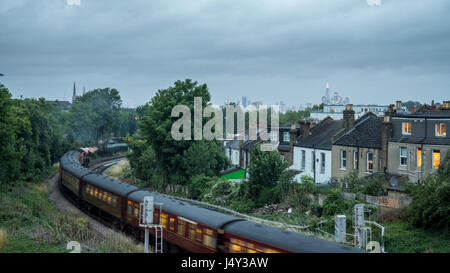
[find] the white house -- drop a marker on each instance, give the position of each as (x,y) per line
(232,151)
(312,153)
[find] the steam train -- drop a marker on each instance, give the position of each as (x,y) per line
(188,227)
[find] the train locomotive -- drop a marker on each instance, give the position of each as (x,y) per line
(186,227)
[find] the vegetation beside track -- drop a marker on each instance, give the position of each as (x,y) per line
(30,223)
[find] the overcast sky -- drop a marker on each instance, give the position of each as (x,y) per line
(279,50)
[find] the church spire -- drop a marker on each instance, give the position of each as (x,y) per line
(74,96)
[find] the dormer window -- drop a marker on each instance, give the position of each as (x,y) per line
(406,128)
(441,129)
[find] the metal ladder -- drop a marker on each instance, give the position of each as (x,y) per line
(158,239)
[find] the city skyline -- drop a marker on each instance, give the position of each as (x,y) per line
(270,52)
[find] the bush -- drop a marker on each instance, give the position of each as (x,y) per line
(334,203)
(430,207)
(374,186)
(269,196)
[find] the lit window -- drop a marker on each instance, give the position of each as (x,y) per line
(135,211)
(436,159)
(403,156)
(441,129)
(369,162)
(192,229)
(343,159)
(181,227)
(100,194)
(419,157)
(198,236)
(130,208)
(406,128)
(208,238)
(164,217)
(96,192)
(172,223)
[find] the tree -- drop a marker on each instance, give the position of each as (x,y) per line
(430,206)
(176,160)
(265,169)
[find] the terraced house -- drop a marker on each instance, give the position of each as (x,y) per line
(359,146)
(419,141)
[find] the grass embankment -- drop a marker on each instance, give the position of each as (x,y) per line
(30,223)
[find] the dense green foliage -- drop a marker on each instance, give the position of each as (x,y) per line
(265,169)
(430,207)
(35,133)
(158,156)
(291,117)
(371,186)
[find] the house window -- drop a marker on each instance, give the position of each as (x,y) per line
(406,128)
(322,162)
(370,162)
(419,157)
(343,160)
(274,136)
(403,156)
(441,129)
(355,160)
(286,136)
(303,159)
(436,159)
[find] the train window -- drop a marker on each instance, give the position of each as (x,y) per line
(269,250)
(234,247)
(251,248)
(135,211)
(198,234)
(92,191)
(130,209)
(96,192)
(105,196)
(86,189)
(172,223)
(100,194)
(114,201)
(208,237)
(164,217)
(155,217)
(192,229)
(181,227)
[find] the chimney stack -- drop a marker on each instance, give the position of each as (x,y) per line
(446,105)
(398,105)
(349,117)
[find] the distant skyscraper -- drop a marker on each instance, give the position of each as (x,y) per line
(327,93)
(244,101)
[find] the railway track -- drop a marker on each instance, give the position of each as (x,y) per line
(97,166)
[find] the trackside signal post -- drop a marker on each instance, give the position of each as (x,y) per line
(146,221)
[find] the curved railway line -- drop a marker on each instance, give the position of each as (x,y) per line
(187,226)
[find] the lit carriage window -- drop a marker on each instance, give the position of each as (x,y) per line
(100,194)
(269,250)
(208,237)
(192,229)
(105,196)
(172,223)
(114,201)
(164,217)
(136,211)
(260,249)
(87,189)
(251,248)
(199,234)
(92,191)
(96,192)
(130,208)
(181,227)
(234,247)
